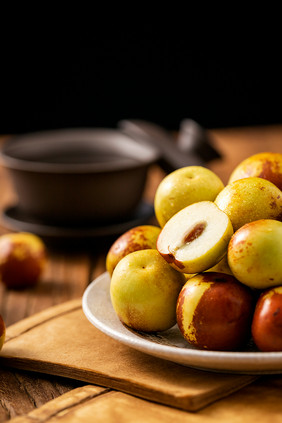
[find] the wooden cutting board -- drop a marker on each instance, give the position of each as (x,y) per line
(61,341)
(259,402)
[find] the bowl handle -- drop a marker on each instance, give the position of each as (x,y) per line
(190,149)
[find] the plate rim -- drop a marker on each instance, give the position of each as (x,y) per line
(249,362)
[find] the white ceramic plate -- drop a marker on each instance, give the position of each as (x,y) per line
(170,345)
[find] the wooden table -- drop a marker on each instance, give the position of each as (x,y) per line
(69,271)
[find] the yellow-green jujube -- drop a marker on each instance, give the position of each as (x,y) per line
(196,238)
(249,199)
(183,187)
(266,165)
(254,254)
(144,291)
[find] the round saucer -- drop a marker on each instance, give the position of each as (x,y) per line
(14,219)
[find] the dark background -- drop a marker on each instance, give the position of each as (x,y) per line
(43,87)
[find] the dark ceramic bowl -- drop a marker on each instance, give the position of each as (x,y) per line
(78,175)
